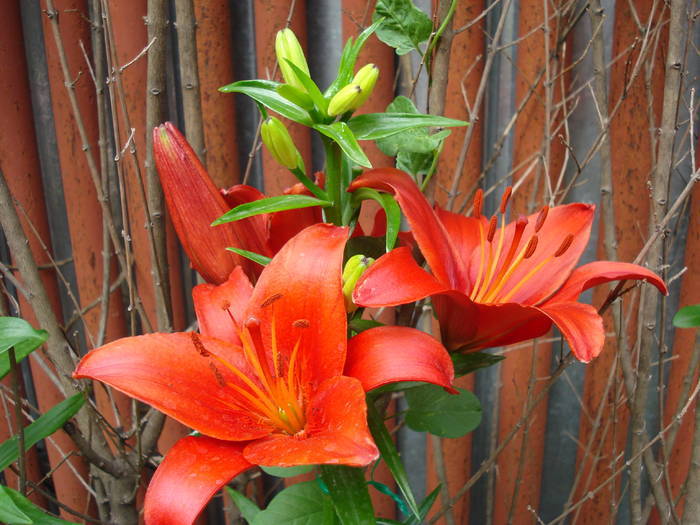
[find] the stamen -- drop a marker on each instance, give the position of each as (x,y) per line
(493,260)
(301,323)
(541,218)
(497,283)
(531,247)
(274,297)
(217,374)
(564,245)
(225,305)
(482,252)
(505,199)
(198,345)
(478,203)
(492,229)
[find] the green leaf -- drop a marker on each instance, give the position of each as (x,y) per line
(34,513)
(384,489)
(373,126)
(433,410)
(296,96)
(18,333)
(392,210)
(44,426)
(414,163)
(466,363)
(9,512)
(348,491)
(390,455)
(300,504)
(246,507)
(269,205)
(405,26)
(341,134)
(317,97)
(425,507)
(360,325)
(287,472)
(265,92)
(262,260)
(687,317)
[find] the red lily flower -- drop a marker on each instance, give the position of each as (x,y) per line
(271,380)
(492,284)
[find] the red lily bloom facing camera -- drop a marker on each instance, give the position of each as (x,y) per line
(271,380)
(493,283)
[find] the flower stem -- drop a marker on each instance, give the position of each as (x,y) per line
(348,490)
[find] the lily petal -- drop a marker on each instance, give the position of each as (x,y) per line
(300,294)
(428,231)
(168,371)
(599,272)
(194,202)
(581,326)
(395,279)
(336,431)
(220,309)
(194,469)
(388,354)
(464,233)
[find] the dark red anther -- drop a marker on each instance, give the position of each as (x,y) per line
(505,199)
(218,375)
(492,228)
(531,247)
(564,245)
(301,323)
(198,345)
(274,297)
(478,203)
(541,218)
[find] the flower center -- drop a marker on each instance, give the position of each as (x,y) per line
(271,389)
(498,263)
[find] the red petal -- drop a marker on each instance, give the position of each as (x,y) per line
(286,224)
(599,272)
(581,326)
(300,293)
(255,228)
(394,279)
(168,372)
(428,231)
(388,354)
(216,305)
(192,472)
(464,234)
(336,431)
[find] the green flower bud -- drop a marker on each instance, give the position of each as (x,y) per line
(366,78)
(345,100)
(287,47)
(276,137)
(354,268)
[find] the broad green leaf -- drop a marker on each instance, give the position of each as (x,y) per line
(9,512)
(340,133)
(262,260)
(269,205)
(390,455)
(34,513)
(405,26)
(44,426)
(265,92)
(414,163)
(433,410)
(467,363)
(416,140)
(348,491)
(18,333)
(392,210)
(287,472)
(373,126)
(399,386)
(300,504)
(246,507)
(687,317)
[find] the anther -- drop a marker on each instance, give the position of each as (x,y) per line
(564,245)
(478,203)
(225,305)
(198,345)
(505,199)
(541,218)
(267,302)
(301,323)
(218,375)
(492,228)
(531,247)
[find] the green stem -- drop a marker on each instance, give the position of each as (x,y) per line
(443,26)
(348,490)
(309,184)
(333,181)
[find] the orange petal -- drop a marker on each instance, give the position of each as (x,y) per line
(191,473)
(336,431)
(464,234)
(581,326)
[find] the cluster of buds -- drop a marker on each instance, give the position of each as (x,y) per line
(353,270)
(356,92)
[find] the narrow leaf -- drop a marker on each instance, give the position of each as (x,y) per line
(344,137)
(265,92)
(466,363)
(433,410)
(311,88)
(373,126)
(18,333)
(11,513)
(348,491)
(687,317)
(392,210)
(262,260)
(245,506)
(44,426)
(35,514)
(269,205)
(425,507)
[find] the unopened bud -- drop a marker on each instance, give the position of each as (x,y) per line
(366,78)
(354,268)
(279,143)
(345,100)
(287,47)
